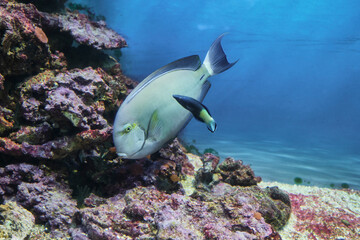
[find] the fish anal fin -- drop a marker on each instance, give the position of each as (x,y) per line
(204,90)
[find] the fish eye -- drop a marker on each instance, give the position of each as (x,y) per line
(127,128)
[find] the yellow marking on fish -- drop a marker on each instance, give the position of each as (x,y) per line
(205,116)
(128,128)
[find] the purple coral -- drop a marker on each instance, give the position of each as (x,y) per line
(64,102)
(85,31)
(60,111)
(147,212)
(54,102)
(42,193)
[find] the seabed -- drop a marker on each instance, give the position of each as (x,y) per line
(320,213)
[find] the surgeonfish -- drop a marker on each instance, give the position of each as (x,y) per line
(199,110)
(150,117)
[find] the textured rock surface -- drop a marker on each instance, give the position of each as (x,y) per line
(44,194)
(224,211)
(149,213)
(16,222)
(236,173)
(163,211)
(2,79)
(85,31)
(26,35)
(63,112)
(321,213)
(47,5)
(54,112)
(6,119)
(22,51)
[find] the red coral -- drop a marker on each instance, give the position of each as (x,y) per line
(8,146)
(317,220)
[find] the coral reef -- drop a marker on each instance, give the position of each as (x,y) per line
(205,177)
(224,212)
(27,33)
(2,79)
(148,213)
(47,5)
(6,119)
(84,31)
(57,111)
(58,102)
(21,52)
(43,193)
(63,113)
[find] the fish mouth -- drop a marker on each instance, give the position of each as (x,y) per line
(132,153)
(130,156)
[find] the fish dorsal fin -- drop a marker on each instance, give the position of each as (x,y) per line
(187,63)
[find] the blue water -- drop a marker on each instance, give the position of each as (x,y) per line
(291,106)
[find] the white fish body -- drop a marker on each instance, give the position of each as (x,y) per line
(150,116)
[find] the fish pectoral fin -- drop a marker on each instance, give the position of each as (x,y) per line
(154,128)
(198,110)
(191,104)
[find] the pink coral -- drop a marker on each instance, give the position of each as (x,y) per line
(319,222)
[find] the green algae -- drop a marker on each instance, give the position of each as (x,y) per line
(191,148)
(298,180)
(73,117)
(212,151)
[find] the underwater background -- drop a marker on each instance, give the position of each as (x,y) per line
(290,106)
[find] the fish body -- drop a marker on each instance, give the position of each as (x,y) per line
(150,116)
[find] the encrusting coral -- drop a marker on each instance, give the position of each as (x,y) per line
(16,222)
(43,193)
(62,112)
(21,52)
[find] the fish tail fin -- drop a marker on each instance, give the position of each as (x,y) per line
(212,126)
(215,60)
